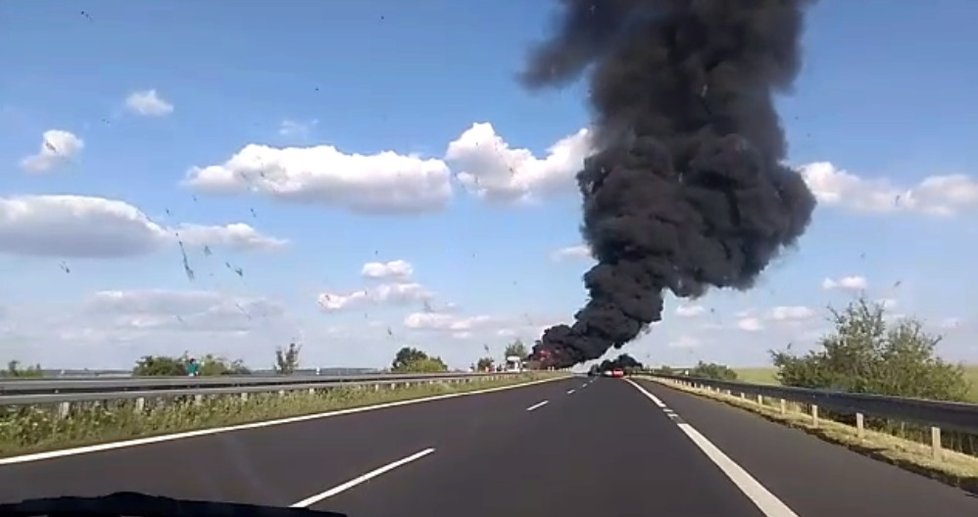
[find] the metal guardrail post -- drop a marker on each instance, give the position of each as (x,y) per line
(860,426)
(935,443)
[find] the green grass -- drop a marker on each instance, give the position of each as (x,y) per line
(760,375)
(765,375)
(35,428)
(954,468)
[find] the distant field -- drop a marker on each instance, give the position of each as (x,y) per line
(765,375)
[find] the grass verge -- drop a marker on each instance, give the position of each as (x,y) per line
(30,429)
(956,469)
(767,375)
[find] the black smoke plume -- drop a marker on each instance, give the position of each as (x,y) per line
(686,188)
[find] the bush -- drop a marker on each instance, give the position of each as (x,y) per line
(864,354)
(720,372)
(14,370)
(412,360)
(161,365)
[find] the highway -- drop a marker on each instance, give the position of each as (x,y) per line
(575,446)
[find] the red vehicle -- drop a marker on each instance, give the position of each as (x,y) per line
(617,372)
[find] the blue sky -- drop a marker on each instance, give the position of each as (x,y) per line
(154,99)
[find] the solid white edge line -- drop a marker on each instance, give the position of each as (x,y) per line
(762,498)
(538,405)
(361,479)
(38,456)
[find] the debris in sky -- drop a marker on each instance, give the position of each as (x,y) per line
(253,214)
(427,306)
(86,15)
(64,267)
(242,309)
(207,250)
(390,332)
(49,146)
(898,283)
(237,270)
(186,262)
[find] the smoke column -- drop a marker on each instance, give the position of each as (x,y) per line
(686,188)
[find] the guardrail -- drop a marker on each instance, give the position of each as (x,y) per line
(65,391)
(937,415)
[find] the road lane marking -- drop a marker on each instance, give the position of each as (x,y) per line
(571,391)
(762,498)
(305,503)
(38,456)
(538,405)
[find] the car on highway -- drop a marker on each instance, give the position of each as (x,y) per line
(617,372)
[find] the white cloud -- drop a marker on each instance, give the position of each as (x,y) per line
(81,226)
(445,322)
(746,313)
(399,269)
(950,323)
(393,294)
(238,236)
(188,310)
(690,311)
(462,335)
(848,283)
(579,251)
(791,313)
(684,342)
(934,195)
(888,303)
(297,129)
(57,147)
(148,103)
(485,164)
(750,324)
(384,182)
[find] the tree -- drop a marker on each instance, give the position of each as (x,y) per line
(516,348)
(865,354)
(14,370)
(412,360)
(287,360)
(405,356)
(484,364)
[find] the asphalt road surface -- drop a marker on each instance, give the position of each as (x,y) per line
(570,447)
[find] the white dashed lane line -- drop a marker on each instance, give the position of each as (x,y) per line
(361,479)
(765,501)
